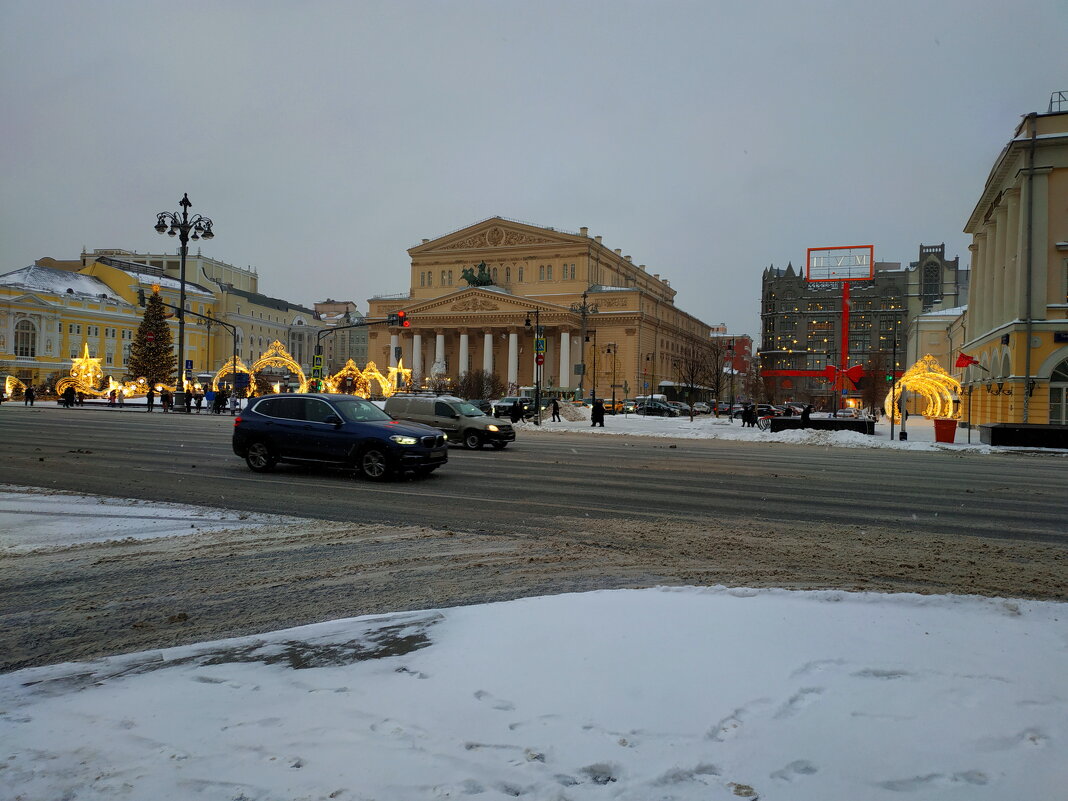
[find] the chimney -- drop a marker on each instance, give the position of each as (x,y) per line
(619,251)
(597,239)
(584,231)
(656,276)
(627,258)
(641,267)
(425,241)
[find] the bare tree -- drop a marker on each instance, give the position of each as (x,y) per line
(875,386)
(693,370)
(479,384)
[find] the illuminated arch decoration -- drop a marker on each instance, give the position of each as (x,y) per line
(361,383)
(277,356)
(232,366)
(926,378)
(86,376)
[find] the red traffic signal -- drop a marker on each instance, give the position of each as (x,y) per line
(402,319)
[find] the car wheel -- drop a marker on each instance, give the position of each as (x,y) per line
(260,458)
(472,440)
(373,464)
(499,446)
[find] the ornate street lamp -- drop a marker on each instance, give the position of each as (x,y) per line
(585,308)
(180,225)
(539,357)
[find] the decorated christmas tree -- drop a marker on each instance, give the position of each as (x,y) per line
(152,351)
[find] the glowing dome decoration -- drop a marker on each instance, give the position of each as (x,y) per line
(926,378)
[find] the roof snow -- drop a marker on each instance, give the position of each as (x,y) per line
(57,282)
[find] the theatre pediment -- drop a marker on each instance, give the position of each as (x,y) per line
(496,233)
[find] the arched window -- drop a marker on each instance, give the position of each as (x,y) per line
(442,278)
(493,274)
(1058,394)
(520,275)
(25,340)
(430,278)
(450,277)
(507,275)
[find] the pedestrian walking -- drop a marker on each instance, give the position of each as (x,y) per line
(516,412)
(120,396)
(199,400)
(68,398)
(29,396)
(151,398)
(597,415)
(233,404)
(556,410)
(188,402)
(209,396)
(165,399)
(806,413)
(111,398)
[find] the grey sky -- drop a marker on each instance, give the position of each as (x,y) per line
(705,139)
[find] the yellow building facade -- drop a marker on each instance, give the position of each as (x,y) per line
(594,305)
(1017,319)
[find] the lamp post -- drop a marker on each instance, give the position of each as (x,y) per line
(583,309)
(730,355)
(173,223)
(539,357)
(593,382)
(613,351)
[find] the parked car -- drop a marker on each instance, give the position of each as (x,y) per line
(653,408)
(849,412)
(462,421)
(503,407)
(702,408)
(629,405)
(682,408)
(339,430)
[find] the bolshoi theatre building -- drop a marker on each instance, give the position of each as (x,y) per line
(478,295)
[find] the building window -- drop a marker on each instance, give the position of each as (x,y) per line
(430,278)
(422,279)
(507,275)
(126,353)
(541,272)
(109,358)
(25,340)
(549,273)
(75,329)
(493,274)
(520,275)
(442,278)
(450,277)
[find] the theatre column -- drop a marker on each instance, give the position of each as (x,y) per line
(565,359)
(487,352)
(417,358)
(439,353)
(461,368)
(513,360)
(394,343)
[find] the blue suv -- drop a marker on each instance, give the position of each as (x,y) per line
(341,430)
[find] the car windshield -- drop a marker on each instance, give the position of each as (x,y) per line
(358,410)
(469,409)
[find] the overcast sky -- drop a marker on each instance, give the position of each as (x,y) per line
(706,139)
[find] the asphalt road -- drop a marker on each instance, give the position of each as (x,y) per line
(552,513)
(543,476)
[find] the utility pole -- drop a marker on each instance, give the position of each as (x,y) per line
(585,308)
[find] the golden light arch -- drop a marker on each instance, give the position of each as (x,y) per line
(233,366)
(277,356)
(929,379)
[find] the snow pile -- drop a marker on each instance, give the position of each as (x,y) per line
(635,695)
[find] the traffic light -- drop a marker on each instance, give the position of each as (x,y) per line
(141,297)
(889,378)
(402,318)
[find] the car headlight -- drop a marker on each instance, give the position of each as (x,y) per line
(492,428)
(401,439)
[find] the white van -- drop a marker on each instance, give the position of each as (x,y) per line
(462,421)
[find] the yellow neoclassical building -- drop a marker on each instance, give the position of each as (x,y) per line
(473,292)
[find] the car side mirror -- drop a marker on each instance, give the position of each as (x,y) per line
(333,420)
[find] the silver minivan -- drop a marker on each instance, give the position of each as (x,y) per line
(462,421)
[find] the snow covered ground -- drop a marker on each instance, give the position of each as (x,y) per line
(684,693)
(33,518)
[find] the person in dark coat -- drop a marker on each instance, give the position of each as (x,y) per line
(165,399)
(150,396)
(68,397)
(516,414)
(806,413)
(597,415)
(29,397)
(556,410)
